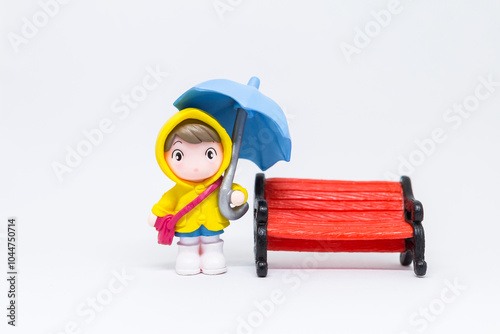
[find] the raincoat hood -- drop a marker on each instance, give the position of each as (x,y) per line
(200,115)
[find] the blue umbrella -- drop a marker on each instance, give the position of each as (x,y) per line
(259,127)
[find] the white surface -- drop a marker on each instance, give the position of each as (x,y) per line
(351,121)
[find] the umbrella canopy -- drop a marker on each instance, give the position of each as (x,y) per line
(266,139)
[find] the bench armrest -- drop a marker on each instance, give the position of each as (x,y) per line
(260,204)
(414,211)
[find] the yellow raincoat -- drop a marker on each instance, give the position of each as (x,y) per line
(207,212)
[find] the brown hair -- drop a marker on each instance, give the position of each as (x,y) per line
(193,131)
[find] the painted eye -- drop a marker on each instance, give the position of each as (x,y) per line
(210,153)
(177,155)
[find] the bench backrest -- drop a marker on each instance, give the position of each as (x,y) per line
(339,201)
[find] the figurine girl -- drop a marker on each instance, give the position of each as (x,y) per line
(193,150)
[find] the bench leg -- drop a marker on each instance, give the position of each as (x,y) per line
(260,248)
(260,226)
(415,251)
(419,264)
(406,258)
(261,256)
(414,214)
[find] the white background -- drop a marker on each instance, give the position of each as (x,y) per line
(349,120)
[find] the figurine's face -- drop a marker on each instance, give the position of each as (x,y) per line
(194,162)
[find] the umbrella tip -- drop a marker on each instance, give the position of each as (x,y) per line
(254,82)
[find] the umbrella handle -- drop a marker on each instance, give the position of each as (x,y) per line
(225,191)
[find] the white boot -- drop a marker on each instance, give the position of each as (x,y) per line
(213,261)
(188,256)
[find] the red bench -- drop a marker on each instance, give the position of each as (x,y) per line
(337,216)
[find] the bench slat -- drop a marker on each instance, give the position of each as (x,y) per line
(315,205)
(390,246)
(284,184)
(279,215)
(273,193)
(320,230)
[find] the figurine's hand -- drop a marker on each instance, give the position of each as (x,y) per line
(237,198)
(152,220)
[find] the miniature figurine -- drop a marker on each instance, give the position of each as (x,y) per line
(193,150)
